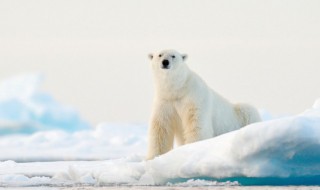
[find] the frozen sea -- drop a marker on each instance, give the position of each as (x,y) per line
(46,145)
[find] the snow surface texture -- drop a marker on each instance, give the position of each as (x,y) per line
(281,151)
(24,108)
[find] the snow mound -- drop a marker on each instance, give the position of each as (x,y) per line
(282,148)
(284,151)
(24,108)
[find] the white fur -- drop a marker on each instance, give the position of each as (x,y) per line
(186,109)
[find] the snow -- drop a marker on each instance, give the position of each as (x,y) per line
(282,148)
(280,151)
(106,141)
(125,171)
(24,108)
(34,127)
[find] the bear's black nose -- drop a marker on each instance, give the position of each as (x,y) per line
(165,64)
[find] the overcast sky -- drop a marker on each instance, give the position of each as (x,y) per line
(94,53)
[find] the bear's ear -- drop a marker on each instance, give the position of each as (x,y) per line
(150,55)
(184,57)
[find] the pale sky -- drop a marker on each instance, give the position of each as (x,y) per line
(94,53)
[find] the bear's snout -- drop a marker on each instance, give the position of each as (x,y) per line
(165,64)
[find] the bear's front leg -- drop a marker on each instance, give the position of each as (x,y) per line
(191,124)
(161,131)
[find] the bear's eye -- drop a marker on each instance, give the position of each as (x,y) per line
(160,55)
(173,56)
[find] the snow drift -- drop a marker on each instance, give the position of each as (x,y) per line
(276,152)
(24,108)
(282,148)
(33,126)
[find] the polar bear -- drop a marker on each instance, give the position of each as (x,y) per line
(185,109)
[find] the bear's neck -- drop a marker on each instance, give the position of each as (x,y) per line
(171,85)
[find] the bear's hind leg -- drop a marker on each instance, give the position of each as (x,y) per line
(247,114)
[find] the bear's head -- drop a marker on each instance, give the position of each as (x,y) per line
(167,60)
